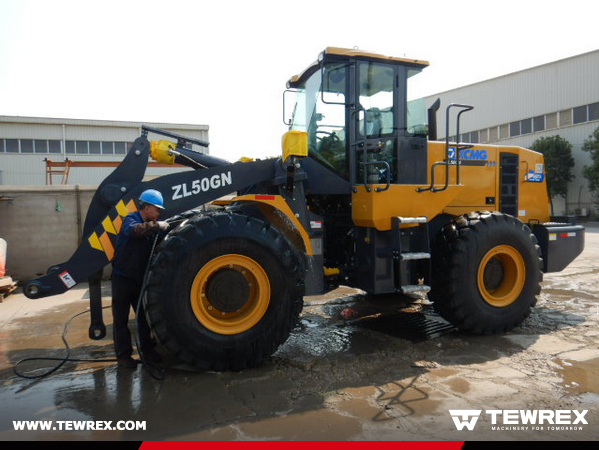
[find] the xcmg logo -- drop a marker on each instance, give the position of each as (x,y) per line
(468,154)
(512,419)
(471,157)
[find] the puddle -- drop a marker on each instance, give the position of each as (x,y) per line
(314,341)
(581,378)
(567,294)
(459,385)
(404,398)
(322,341)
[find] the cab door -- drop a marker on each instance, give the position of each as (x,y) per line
(375,128)
(387,149)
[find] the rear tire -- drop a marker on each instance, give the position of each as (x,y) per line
(487,272)
(224,291)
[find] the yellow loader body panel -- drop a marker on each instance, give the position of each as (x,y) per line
(480,187)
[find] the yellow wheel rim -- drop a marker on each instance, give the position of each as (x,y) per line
(501,276)
(230,294)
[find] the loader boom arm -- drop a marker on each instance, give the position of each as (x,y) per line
(117,196)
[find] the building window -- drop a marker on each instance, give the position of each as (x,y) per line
(565,118)
(526,126)
(70,147)
(594,111)
(81,147)
(12,146)
(504,131)
(120,148)
(493,136)
(551,121)
(515,129)
(580,114)
(108,148)
(474,138)
(41,146)
(54,147)
(484,135)
(26,145)
(94,148)
(1,145)
(538,123)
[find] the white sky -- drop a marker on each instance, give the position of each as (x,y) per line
(225,63)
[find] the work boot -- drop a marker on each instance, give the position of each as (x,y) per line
(127,362)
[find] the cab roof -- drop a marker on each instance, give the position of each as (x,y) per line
(339,53)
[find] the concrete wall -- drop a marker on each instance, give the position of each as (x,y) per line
(41,225)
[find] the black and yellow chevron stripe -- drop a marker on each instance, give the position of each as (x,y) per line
(105,242)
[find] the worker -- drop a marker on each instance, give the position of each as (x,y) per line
(133,247)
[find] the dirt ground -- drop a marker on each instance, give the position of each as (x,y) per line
(389,376)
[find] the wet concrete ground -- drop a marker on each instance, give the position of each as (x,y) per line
(389,376)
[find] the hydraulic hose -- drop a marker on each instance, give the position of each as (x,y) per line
(62,360)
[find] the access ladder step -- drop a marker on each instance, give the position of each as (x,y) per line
(412,219)
(410,256)
(415,288)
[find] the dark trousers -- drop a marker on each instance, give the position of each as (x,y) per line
(125,295)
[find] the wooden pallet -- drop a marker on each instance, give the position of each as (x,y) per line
(7,285)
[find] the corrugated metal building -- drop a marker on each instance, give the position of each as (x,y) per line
(559,98)
(26,143)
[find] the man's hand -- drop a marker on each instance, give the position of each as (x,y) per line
(163,225)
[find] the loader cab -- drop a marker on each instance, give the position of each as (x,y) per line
(361,120)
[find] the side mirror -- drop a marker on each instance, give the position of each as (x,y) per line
(288,107)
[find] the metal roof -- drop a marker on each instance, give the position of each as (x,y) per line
(354,53)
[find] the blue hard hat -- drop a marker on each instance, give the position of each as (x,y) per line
(153,197)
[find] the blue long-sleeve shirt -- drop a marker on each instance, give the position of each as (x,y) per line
(133,247)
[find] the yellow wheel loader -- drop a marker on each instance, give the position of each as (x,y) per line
(364,195)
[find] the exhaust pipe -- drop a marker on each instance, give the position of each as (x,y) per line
(432,120)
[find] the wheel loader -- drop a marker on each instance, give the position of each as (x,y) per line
(364,195)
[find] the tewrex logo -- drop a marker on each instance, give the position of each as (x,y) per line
(512,419)
(465,418)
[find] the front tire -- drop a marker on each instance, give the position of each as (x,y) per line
(224,291)
(487,272)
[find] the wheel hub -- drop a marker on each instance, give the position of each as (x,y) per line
(493,275)
(227,290)
(230,294)
(501,276)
